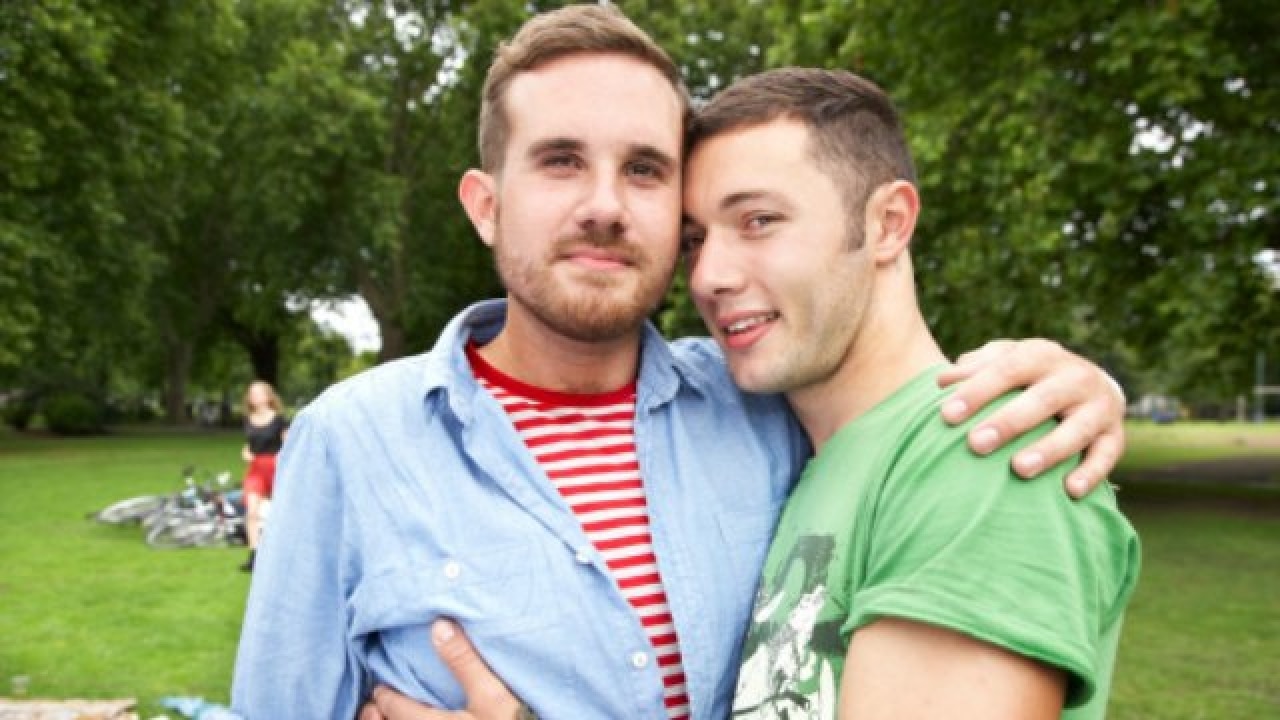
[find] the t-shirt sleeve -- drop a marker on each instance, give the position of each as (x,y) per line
(959,541)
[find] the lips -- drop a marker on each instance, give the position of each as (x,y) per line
(598,251)
(742,330)
(599,258)
(746,324)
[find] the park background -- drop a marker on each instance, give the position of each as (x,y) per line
(184,186)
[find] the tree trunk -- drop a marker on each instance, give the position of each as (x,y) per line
(394,343)
(264,355)
(177,369)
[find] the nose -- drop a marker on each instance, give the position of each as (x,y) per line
(714,267)
(603,208)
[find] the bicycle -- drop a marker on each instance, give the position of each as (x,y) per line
(130,510)
(138,510)
(202,516)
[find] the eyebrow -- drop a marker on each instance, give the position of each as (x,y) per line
(555,144)
(563,144)
(742,197)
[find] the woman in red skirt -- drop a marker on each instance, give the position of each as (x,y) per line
(264,427)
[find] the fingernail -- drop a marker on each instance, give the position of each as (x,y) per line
(1029,464)
(953,410)
(985,439)
(441,632)
(1076,485)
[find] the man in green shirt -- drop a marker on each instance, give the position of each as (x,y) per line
(908,578)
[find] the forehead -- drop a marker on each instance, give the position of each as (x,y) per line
(595,97)
(771,158)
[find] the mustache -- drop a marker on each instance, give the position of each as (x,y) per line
(610,239)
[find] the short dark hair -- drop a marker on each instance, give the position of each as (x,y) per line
(855,135)
(550,36)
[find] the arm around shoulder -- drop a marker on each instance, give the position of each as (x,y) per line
(976,580)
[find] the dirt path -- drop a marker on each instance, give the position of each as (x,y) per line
(1255,471)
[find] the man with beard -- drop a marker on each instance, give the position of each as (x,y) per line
(590,503)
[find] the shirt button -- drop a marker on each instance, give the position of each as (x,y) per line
(639,660)
(452,569)
(582,556)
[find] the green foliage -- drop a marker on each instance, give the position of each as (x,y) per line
(1096,172)
(174,175)
(316,358)
(72,413)
(18,411)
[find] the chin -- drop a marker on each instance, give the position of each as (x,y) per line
(754,382)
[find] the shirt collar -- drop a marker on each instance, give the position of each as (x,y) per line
(447,374)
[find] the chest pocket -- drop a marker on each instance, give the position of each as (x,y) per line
(505,599)
(496,591)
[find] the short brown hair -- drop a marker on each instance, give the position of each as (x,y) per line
(550,36)
(855,135)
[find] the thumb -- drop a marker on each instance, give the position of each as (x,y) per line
(487,696)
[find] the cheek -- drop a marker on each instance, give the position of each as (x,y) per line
(658,213)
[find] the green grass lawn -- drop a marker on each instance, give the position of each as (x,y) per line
(90,611)
(1152,445)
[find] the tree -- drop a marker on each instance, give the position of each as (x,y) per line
(1096,172)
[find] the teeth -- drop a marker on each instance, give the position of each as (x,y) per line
(748,323)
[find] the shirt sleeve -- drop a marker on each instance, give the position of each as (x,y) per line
(958,541)
(294,660)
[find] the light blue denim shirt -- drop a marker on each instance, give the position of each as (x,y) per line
(404,494)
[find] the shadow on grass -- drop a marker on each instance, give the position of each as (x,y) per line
(1242,484)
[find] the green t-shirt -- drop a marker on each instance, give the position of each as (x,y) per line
(897,518)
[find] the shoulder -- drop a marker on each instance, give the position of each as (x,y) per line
(959,541)
(369,393)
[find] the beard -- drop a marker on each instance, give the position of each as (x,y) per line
(594,308)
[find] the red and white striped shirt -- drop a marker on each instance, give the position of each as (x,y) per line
(586,445)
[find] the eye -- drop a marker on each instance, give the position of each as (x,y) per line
(759,222)
(561,161)
(645,170)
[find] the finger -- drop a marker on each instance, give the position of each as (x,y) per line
(1062,396)
(1007,366)
(1098,463)
(990,350)
(973,361)
(1070,437)
(369,711)
(391,705)
(993,379)
(487,695)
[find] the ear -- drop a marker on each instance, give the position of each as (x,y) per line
(892,210)
(478,192)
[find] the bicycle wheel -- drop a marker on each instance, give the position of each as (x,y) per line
(131,510)
(188,533)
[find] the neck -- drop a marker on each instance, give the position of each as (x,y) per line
(529,351)
(892,348)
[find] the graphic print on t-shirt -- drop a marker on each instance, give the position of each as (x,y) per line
(787,671)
